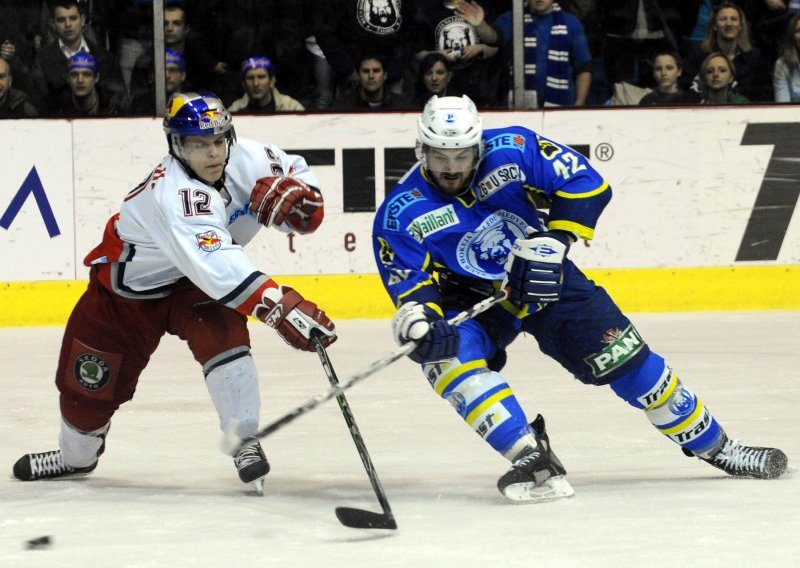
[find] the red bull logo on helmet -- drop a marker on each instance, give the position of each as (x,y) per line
(212,119)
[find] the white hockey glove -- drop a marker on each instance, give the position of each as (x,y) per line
(294,318)
(283,199)
(436,339)
(534,268)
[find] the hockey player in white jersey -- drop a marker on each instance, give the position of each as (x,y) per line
(172,261)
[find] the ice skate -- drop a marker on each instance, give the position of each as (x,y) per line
(47,465)
(745,461)
(536,475)
(252,465)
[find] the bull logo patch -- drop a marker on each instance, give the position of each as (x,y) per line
(208,241)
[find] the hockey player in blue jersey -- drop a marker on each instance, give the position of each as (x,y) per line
(462,224)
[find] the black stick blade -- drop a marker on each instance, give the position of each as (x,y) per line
(361,519)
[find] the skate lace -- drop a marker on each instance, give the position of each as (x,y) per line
(742,458)
(528,460)
(247,456)
(47,463)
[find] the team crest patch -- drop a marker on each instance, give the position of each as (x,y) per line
(483,252)
(622,346)
(208,241)
(91,371)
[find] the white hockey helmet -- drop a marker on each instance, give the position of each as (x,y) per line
(449,123)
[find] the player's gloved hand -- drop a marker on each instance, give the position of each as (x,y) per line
(284,199)
(436,339)
(294,318)
(534,267)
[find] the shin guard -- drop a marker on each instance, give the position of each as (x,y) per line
(233,387)
(484,400)
(670,406)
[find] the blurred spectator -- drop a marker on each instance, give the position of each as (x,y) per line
(19,29)
(131,33)
(49,72)
(85,97)
(224,33)
(557,58)
(290,25)
(718,73)
(696,24)
(346,29)
(142,100)
(261,96)
(588,13)
(323,75)
(371,92)
(13,102)
(728,33)
(635,30)
(667,69)
(176,28)
(768,19)
(786,75)
(177,45)
(433,78)
(459,30)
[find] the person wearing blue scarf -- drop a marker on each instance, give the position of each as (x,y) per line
(557,58)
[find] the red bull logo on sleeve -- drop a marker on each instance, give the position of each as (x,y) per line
(208,241)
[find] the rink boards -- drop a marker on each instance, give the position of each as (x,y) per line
(702,216)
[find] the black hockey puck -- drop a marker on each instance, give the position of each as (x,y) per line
(39,543)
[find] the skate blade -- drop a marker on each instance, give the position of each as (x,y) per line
(554,488)
(258,484)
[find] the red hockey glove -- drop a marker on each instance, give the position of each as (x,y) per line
(294,318)
(283,199)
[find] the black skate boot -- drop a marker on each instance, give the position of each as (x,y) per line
(536,474)
(47,465)
(744,461)
(252,465)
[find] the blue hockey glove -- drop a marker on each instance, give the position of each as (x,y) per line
(436,339)
(534,268)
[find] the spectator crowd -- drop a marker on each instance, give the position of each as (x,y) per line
(74,58)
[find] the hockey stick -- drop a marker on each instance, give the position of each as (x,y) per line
(232,443)
(348,516)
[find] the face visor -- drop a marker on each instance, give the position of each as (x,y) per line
(193,148)
(448,160)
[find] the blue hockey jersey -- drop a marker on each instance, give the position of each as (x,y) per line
(419,231)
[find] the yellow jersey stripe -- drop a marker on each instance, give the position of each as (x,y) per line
(581,230)
(584,195)
(405,294)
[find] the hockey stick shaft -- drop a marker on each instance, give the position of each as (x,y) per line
(388,520)
(233,446)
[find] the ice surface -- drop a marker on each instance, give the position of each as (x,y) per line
(165,495)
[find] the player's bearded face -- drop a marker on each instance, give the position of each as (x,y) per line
(206,156)
(451,169)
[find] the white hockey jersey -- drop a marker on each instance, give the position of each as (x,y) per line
(173,225)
